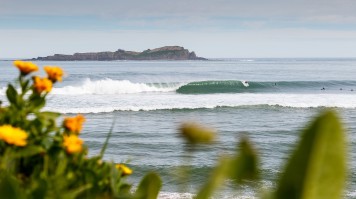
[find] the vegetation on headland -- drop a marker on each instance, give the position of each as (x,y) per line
(42,159)
(163,53)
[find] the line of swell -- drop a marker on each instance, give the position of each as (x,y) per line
(236,86)
(136,109)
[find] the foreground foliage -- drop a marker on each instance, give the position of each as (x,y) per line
(316,169)
(41,159)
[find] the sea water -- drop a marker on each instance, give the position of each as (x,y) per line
(269,100)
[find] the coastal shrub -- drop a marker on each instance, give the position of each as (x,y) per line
(43,156)
(40,158)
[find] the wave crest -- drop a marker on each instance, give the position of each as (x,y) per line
(235,86)
(109,86)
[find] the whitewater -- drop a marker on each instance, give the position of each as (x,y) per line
(269,100)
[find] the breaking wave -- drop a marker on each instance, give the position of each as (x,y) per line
(236,86)
(109,86)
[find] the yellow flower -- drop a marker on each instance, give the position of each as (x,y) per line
(73,144)
(25,67)
(13,135)
(124,169)
(74,124)
(54,73)
(42,84)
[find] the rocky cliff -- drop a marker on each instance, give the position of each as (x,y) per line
(163,53)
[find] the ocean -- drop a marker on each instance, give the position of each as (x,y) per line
(269,100)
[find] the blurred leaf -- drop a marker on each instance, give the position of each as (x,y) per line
(114,177)
(245,165)
(50,115)
(125,190)
(62,164)
(102,151)
(68,194)
(39,188)
(11,94)
(38,103)
(24,85)
(196,134)
(216,179)
(149,187)
(317,168)
(10,187)
(29,151)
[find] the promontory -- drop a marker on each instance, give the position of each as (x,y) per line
(163,53)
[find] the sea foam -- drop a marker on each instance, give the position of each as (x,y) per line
(110,86)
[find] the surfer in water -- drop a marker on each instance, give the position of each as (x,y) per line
(245,83)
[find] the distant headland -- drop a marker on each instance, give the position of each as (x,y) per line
(163,53)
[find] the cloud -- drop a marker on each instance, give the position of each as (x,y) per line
(249,43)
(213,28)
(317,10)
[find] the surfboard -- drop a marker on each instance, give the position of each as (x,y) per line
(245,83)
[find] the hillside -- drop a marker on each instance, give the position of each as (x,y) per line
(163,53)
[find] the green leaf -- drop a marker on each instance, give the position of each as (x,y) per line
(216,179)
(317,168)
(75,192)
(245,165)
(29,151)
(114,178)
(39,188)
(24,85)
(11,94)
(10,187)
(38,103)
(49,115)
(149,187)
(62,165)
(125,190)
(102,151)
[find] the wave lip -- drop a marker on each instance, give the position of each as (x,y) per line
(109,86)
(224,86)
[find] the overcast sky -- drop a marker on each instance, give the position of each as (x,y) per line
(211,28)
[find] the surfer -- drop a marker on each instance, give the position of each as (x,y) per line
(245,83)
(323,88)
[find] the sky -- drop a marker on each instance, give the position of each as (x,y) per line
(211,28)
